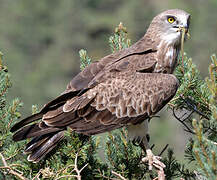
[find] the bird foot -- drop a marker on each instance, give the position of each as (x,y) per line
(155,161)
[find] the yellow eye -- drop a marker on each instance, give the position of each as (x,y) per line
(170,20)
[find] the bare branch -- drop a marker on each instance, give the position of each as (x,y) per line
(182,121)
(164,149)
(76,167)
(78,176)
(66,176)
(192,106)
(37,176)
(118,175)
(10,170)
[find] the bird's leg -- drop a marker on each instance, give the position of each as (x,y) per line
(150,157)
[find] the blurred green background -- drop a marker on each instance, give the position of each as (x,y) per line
(41,39)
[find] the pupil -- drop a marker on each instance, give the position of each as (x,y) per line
(171,19)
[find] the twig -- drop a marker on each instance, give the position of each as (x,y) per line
(10,170)
(67,176)
(78,176)
(118,175)
(37,176)
(105,177)
(193,106)
(76,167)
(182,121)
(164,149)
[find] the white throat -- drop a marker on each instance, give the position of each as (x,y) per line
(172,38)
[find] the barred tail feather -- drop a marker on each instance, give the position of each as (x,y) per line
(39,147)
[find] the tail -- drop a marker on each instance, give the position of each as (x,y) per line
(40,146)
(44,139)
(26,121)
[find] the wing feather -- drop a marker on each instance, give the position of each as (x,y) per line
(137,94)
(94,71)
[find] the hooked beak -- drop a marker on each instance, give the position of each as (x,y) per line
(182,28)
(185,28)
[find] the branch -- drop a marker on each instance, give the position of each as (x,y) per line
(118,175)
(78,176)
(76,167)
(10,170)
(193,106)
(66,176)
(105,177)
(163,150)
(182,121)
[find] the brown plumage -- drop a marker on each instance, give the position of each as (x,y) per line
(121,89)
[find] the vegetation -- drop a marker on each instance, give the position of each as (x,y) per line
(78,156)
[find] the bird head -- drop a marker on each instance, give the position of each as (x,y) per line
(169,25)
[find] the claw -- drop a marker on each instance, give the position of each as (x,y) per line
(153,160)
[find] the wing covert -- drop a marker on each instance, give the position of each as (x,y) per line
(134,95)
(145,45)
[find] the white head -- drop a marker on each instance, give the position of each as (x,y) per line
(166,25)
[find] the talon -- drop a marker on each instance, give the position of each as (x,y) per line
(153,161)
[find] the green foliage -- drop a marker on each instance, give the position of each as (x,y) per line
(174,169)
(119,40)
(212,87)
(205,144)
(78,155)
(199,96)
(205,151)
(84,59)
(9,112)
(123,157)
(192,88)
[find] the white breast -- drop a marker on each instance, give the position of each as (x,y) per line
(170,56)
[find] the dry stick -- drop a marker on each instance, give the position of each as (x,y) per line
(183,31)
(76,167)
(37,176)
(10,170)
(67,176)
(78,176)
(118,175)
(105,177)
(182,47)
(1,66)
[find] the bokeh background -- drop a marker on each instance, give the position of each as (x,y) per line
(41,39)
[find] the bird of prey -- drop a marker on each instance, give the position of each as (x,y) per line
(122,89)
